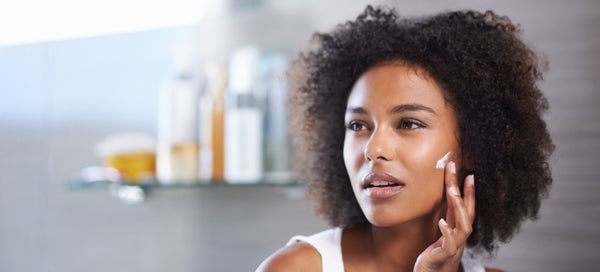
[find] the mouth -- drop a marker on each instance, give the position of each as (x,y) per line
(381,185)
(378,183)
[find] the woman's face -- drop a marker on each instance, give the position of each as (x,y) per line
(398,126)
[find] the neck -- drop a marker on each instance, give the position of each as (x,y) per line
(401,245)
(396,248)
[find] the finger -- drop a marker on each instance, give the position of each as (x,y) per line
(469,196)
(448,241)
(465,215)
(458,215)
(463,220)
(452,193)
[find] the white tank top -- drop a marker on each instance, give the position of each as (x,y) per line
(329,244)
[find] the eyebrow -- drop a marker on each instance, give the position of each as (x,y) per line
(395,110)
(411,107)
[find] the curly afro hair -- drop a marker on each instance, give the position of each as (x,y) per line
(488,76)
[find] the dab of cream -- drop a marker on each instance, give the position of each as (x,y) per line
(441,163)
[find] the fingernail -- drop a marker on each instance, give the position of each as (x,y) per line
(443,222)
(472,180)
(452,167)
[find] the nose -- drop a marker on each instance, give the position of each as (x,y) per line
(379,146)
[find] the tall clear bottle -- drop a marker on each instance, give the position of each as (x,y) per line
(177,147)
(277,144)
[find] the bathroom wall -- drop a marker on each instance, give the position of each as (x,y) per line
(58,99)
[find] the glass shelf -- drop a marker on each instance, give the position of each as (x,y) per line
(77,184)
(105,177)
(100,178)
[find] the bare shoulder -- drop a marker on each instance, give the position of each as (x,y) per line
(487,269)
(296,257)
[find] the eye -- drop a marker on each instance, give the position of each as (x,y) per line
(410,124)
(356,126)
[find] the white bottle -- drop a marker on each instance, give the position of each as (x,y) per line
(205,139)
(243,120)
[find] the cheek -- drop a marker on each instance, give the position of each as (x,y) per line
(422,162)
(353,158)
(424,156)
(350,155)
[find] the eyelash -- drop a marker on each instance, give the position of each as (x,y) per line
(404,124)
(410,123)
(352,126)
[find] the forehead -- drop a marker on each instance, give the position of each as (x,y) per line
(393,84)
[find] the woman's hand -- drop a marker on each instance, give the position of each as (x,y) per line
(445,253)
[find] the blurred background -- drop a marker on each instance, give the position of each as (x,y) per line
(84,83)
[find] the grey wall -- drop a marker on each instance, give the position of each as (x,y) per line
(58,99)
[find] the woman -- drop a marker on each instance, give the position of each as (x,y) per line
(395,118)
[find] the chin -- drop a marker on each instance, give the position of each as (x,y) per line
(382,224)
(384,219)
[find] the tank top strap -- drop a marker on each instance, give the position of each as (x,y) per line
(329,245)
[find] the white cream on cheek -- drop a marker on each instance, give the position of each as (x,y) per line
(441,163)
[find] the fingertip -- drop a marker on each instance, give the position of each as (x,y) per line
(470,195)
(443,222)
(452,167)
(450,175)
(470,185)
(444,227)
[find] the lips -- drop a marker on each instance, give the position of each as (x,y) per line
(381,185)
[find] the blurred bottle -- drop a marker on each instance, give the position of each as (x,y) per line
(133,154)
(211,129)
(277,144)
(243,120)
(177,148)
